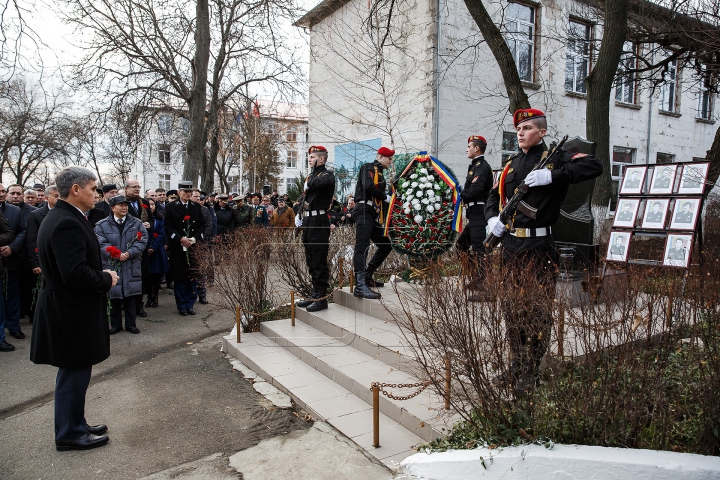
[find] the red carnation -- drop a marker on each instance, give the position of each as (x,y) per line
(143,205)
(186,218)
(155,235)
(113,252)
(139,235)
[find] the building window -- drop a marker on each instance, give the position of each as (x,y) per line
(668,90)
(292,159)
(292,135)
(509,145)
(705,100)
(164,181)
(665,158)
(577,61)
(164,154)
(272,128)
(625,81)
(164,124)
(622,157)
(520,37)
(289,184)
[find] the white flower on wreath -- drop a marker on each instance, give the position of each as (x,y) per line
(415,201)
(418,218)
(420,193)
(437,186)
(430,193)
(437,206)
(423,171)
(406,204)
(407,211)
(413,176)
(405,184)
(414,184)
(425,201)
(430,208)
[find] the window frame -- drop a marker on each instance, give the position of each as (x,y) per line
(586,55)
(164,154)
(673,85)
(518,37)
(705,90)
(164,180)
(628,59)
(505,153)
(291,159)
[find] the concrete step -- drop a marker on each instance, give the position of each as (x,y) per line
(323,398)
(355,371)
(383,308)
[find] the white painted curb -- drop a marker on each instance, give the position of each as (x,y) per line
(561,462)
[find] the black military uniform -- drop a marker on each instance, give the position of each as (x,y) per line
(370,204)
(530,242)
(474,195)
(316,230)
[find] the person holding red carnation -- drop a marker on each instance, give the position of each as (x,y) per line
(127,235)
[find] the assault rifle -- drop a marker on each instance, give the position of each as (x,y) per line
(506,214)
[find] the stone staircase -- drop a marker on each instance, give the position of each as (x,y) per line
(328,360)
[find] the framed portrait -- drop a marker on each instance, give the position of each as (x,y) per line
(618,246)
(693,177)
(677,250)
(633,180)
(655,213)
(663,179)
(685,213)
(626,212)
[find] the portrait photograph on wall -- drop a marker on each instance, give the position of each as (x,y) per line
(685,214)
(618,246)
(655,213)
(626,212)
(693,178)
(663,179)
(677,250)
(633,180)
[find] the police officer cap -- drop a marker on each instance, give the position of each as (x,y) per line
(171,193)
(524,115)
(109,186)
(386,152)
(253,195)
(223,196)
(185,185)
(117,199)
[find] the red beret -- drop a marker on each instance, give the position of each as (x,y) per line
(528,114)
(477,138)
(386,152)
(317,149)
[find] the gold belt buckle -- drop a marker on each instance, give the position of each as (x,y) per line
(521,232)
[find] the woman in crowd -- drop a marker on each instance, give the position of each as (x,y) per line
(157,258)
(122,240)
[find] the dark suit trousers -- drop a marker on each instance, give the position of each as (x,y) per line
(474,236)
(185,294)
(130,314)
(12,301)
(316,239)
(71,386)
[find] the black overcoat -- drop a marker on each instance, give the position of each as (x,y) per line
(182,266)
(70,329)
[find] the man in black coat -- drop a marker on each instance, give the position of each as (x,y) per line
(102,208)
(71,327)
(139,208)
(33,226)
(184,228)
(16,196)
(6,236)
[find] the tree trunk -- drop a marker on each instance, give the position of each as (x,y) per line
(713,156)
(198,94)
(501,52)
(599,88)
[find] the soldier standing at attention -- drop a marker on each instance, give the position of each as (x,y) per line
(370,206)
(474,195)
(530,239)
(318,193)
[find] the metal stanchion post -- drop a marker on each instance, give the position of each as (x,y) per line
(561,332)
(292,307)
(341,267)
(376,416)
(447,382)
(238,325)
(352,280)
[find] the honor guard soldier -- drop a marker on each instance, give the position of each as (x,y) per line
(318,192)
(474,195)
(371,206)
(530,239)
(184,228)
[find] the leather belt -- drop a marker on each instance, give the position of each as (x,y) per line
(470,204)
(531,232)
(313,213)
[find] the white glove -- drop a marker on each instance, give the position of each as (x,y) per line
(306,187)
(538,178)
(496,227)
(388,198)
(298,221)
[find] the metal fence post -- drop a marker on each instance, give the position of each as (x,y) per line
(238,325)
(376,416)
(292,307)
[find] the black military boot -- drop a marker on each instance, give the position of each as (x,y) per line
(318,304)
(361,288)
(370,281)
(308,301)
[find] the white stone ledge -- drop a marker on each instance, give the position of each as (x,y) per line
(561,462)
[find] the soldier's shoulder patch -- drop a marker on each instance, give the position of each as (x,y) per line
(550,166)
(579,155)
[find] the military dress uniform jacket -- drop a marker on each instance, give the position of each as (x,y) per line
(321,187)
(176,228)
(478,183)
(546,200)
(365,189)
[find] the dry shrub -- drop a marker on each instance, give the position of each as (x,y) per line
(640,366)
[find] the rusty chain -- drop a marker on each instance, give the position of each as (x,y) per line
(381,386)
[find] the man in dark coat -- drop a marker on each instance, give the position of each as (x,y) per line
(184,228)
(71,326)
(139,208)
(102,208)
(33,226)
(6,236)
(27,281)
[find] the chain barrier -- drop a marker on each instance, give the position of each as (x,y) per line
(422,386)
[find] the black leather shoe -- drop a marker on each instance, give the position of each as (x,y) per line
(203,300)
(317,305)
(19,334)
(191,311)
(96,429)
(114,330)
(141,313)
(6,347)
(183,313)
(154,302)
(132,329)
(86,442)
(148,304)
(170,285)
(305,303)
